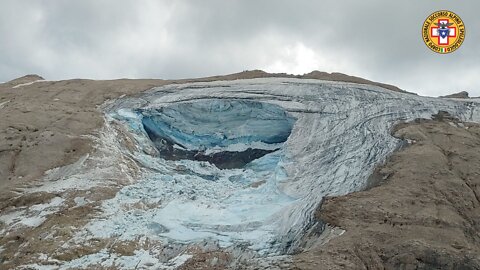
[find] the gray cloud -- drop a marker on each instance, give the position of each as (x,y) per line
(375,39)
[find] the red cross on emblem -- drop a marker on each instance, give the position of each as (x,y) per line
(445,39)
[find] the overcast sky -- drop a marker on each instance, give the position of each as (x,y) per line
(105,39)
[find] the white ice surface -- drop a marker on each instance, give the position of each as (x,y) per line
(12,217)
(80,201)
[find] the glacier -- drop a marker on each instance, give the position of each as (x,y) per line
(204,198)
(242,165)
(319,139)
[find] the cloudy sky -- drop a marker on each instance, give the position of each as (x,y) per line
(105,39)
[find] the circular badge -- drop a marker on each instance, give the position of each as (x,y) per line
(443,31)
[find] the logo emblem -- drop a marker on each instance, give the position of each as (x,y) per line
(443,32)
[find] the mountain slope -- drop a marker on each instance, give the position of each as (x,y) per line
(157,178)
(423,215)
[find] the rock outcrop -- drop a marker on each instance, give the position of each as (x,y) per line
(462,94)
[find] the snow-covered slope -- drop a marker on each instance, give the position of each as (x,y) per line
(242,164)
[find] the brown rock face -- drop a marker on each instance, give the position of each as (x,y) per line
(424,215)
(463,94)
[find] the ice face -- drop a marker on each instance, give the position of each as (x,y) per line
(227,133)
(211,168)
(219,122)
(320,139)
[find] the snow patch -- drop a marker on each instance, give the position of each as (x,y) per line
(12,217)
(80,201)
(32,216)
(2,104)
(27,84)
(142,259)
